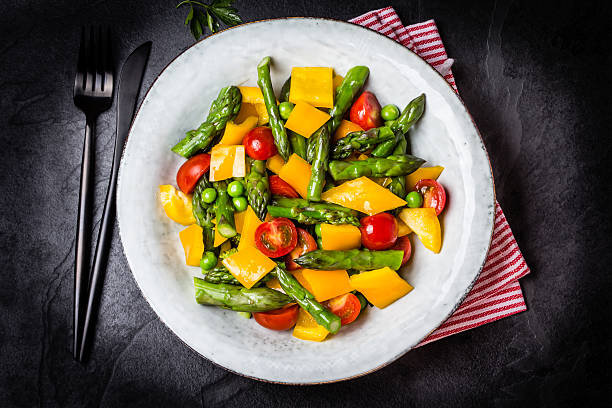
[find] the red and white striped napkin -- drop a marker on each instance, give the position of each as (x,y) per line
(497,292)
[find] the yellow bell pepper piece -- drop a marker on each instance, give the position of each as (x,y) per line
(425,224)
(253,109)
(363,195)
(306,119)
(239,218)
(248,265)
(362,156)
(307,328)
(250,224)
(381,286)
(176,205)
(251,94)
(422,173)
(340,237)
(337,81)
(219,239)
(345,128)
(227,162)
(296,172)
(274,284)
(313,85)
(192,240)
(234,133)
(324,285)
(262,113)
(275,163)
(402,228)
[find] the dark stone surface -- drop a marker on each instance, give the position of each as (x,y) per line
(535,78)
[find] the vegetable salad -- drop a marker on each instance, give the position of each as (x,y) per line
(299,206)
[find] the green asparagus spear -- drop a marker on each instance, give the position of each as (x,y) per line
(400,165)
(310,213)
(298,143)
(352,83)
(258,188)
(360,141)
(220,274)
(307,301)
(311,148)
(410,115)
(276,124)
(223,109)
(360,259)
(203,212)
(398,183)
(319,164)
(238,298)
(384,149)
(224,211)
(284,93)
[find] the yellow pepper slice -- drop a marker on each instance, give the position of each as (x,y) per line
(363,195)
(381,286)
(251,94)
(306,119)
(324,285)
(340,237)
(337,81)
(345,128)
(192,240)
(176,205)
(422,173)
(296,172)
(425,224)
(227,162)
(234,133)
(307,328)
(275,163)
(248,265)
(313,85)
(402,228)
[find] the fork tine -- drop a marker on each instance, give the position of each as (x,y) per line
(108,67)
(79,79)
(91,64)
(101,46)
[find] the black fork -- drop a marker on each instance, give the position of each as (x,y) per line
(93,94)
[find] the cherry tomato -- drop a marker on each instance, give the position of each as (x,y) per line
(276,238)
(347,307)
(305,243)
(403,244)
(280,187)
(279,319)
(190,172)
(378,231)
(259,143)
(366,111)
(434,195)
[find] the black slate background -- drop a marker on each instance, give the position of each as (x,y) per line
(534,76)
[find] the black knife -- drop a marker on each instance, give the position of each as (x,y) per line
(129,87)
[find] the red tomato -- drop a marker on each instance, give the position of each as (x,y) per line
(366,111)
(280,187)
(276,238)
(259,143)
(305,243)
(378,231)
(434,195)
(279,319)
(190,172)
(403,244)
(346,307)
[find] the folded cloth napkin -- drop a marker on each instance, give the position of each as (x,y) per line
(496,293)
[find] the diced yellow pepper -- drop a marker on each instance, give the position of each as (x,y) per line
(251,94)
(363,195)
(307,328)
(248,265)
(362,156)
(306,119)
(402,228)
(381,286)
(325,285)
(313,85)
(253,109)
(262,113)
(227,162)
(275,163)
(298,274)
(340,237)
(337,81)
(234,133)
(250,224)
(296,172)
(274,284)
(219,239)
(425,224)
(345,128)
(422,173)
(192,240)
(176,205)
(239,218)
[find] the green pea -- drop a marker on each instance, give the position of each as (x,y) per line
(235,189)
(240,203)
(208,261)
(209,195)
(390,112)
(318,230)
(285,109)
(414,199)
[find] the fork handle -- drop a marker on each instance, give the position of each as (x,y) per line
(83,234)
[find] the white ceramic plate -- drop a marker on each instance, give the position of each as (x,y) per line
(179,100)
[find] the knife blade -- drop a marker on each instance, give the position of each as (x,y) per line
(130,80)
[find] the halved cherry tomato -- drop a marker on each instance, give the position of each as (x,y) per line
(280,187)
(366,111)
(347,307)
(190,172)
(378,231)
(259,143)
(403,244)
(305,243)
(434,195)
(279,319)
(276,238)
